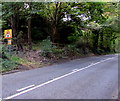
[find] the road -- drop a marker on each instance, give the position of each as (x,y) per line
(93,77)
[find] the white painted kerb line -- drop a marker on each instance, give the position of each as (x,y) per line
(30,89)
(24,88)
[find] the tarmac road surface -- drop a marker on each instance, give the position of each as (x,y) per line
(93,77)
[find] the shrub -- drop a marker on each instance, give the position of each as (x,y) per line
(7,65)
(49,50)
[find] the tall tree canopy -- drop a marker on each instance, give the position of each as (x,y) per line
(93,22)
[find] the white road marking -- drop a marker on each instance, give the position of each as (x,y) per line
(55,79)
(74,69)
(24,88)
(92,63)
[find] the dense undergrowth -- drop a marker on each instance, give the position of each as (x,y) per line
(46,51)
(67,30)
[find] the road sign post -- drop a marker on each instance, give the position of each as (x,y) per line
(9,41)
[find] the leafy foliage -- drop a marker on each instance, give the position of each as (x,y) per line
(91,25)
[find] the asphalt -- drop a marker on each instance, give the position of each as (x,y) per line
(86,78)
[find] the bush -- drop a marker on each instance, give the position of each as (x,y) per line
(7,65)
(46,47)
(75,35)
(57,51)
(71,50)
(100,51)
(49,50)
(82,42)
(83,45)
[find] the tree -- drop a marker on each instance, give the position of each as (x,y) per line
(11,15)
(11,12)
(29,27)
(70,20)
(30,9)
(54,12)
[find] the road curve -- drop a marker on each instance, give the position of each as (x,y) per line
(86,78)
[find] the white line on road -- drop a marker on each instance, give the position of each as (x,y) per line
(74,69)
(24,88)
(55,79)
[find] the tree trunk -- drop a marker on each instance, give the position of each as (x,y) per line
(55,22)
(29,30)
(14,29)
(95,41)
(15,23)
(29,34)
(55,35)
(14,20)
(101,40)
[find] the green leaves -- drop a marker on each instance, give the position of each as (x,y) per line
(78,15)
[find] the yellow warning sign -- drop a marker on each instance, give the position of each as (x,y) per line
(9,41)
(8,34)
